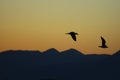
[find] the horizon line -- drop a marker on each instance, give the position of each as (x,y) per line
(61,51)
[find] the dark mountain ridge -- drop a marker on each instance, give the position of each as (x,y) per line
(52,50)
(54,65)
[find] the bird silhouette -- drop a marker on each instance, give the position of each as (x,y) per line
(73,35)
(103,43)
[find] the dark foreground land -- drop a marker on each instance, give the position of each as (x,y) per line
(54,65)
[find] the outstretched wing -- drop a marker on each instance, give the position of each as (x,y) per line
(103,41)
(74,37)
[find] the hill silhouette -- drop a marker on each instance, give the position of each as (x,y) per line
(54,65)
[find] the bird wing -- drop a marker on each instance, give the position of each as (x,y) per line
(103,40)
(74,37)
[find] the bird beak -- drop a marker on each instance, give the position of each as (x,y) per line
(77,34)
(66,33)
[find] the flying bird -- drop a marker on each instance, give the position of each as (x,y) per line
(73,35)
(103,43)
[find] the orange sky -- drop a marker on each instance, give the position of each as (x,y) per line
(42,24)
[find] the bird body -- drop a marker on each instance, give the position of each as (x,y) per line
(103,43)
(73,35)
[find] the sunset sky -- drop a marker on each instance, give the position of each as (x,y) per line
(42,24)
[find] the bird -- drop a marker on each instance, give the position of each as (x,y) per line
(73,35)
(103,43)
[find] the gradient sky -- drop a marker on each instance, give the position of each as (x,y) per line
(42,24)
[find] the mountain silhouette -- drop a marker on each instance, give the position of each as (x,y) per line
(51,50)
(117,53)
(72,52)
(54,65)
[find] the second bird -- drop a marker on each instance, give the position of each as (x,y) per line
(73,35)
(103,43)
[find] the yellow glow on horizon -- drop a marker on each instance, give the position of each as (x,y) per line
(42,24)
